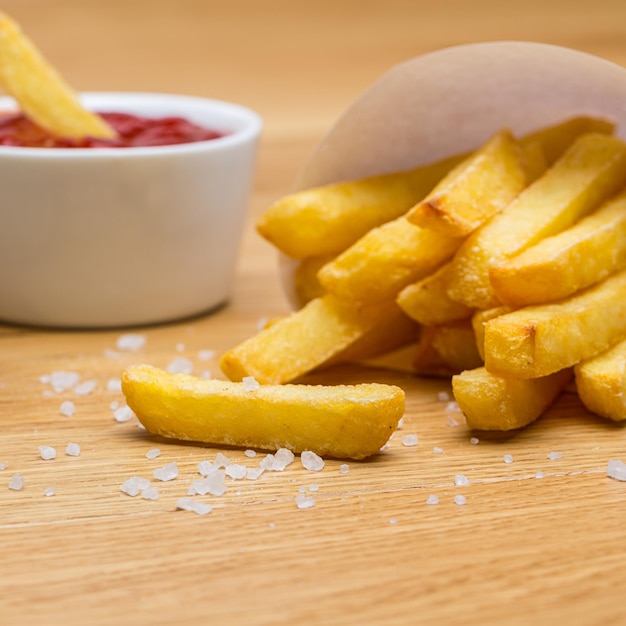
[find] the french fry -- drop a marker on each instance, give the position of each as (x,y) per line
(601,383)
(343,421)
(538,340)
(327,220)
(40,92)
(478,188)
(492,402)
(385,260)
(305,282)
(561,265)
(479,319)
(589,172)
(303,340)
(427,300)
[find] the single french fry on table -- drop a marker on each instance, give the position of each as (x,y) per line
(329,219)
(478,188)
(427,300)
(502,403)
(39,90)
(343,421)
(563,264)
(601,383)
(589,172)
(538,340)
(304,340)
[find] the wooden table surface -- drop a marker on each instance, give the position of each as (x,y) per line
(523,549)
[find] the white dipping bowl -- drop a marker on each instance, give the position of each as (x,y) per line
(109,237)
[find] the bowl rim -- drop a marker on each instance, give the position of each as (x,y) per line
(247,125)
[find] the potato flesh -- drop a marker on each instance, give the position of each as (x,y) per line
(539,340)
(492,402)
(343,421)
(41,93)
(561,265)
(588,173)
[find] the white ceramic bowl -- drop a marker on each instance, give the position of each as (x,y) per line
(104,237)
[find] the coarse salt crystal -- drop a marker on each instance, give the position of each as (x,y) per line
(344,468)
(85,388)
(221,460)
(3,466)
(114,384)
(62,380)
(432,499)
(282,458)
(460,500)
(123,414)
(314,487)
(616,469)
(461,480)
(213,484)
(17,482)
(452,422)
(153,453)
(180,365)
(206,355)
(168,472)
(254,472)
(443,396)
(311,461)
(409,440)
(135,485)
(437,450)
(130,342)
(250,383)
(400,423)
(236,472)
(72,449)
(553,456)
(150,493)
(180,347)
(67,408)
(114,405)
(452,407)
(205,467)
(474,441)
(539,474)
(49,491)
(304,502)
(508,458)
(188,504)
(250,453)
(47,452)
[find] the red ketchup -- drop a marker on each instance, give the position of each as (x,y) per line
(133,131)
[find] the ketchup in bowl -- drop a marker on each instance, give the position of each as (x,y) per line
(132,130)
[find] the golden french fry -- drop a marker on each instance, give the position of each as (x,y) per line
(306,285)
(563,264)
(385,260)
(481,186)
(427,300)
(343,421)
(601,383)
(539,340)
(587,174)
(303,340)
(500,403)
(40,92)
(479,319)
(327,220)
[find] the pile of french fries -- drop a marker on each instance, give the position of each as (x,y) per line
(504,268)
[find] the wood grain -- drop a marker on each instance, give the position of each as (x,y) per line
(523,549)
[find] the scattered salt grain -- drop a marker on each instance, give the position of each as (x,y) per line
(72,449)
(114,384)
(62,380)
(153,453)
(311,461)
(304,502)
(432,499)
(180,365)
(114,405)
(150,493)
(261,323)
(400,422)
(135,485)
(314,487)
(130,342)
(344,468)
(3,466)
(110,354)
(282,458)
(250,383)
(67,408)
(254,472)
(508,458)
(213,484)
(443,396)
(460,480)
(452,407)
(221,460)
(250,453)
(188,504)
(205,467)
(553,456)
(452,422)
(47,453)
(180,347)
(616,469)
(409,440)
(267,462)
(123,414)
(474,441)
(206,355)
(437,450)
(236,471)
(49,491)
(17,482)
(167,472)
(460,500)
(539,474)
(85,388)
